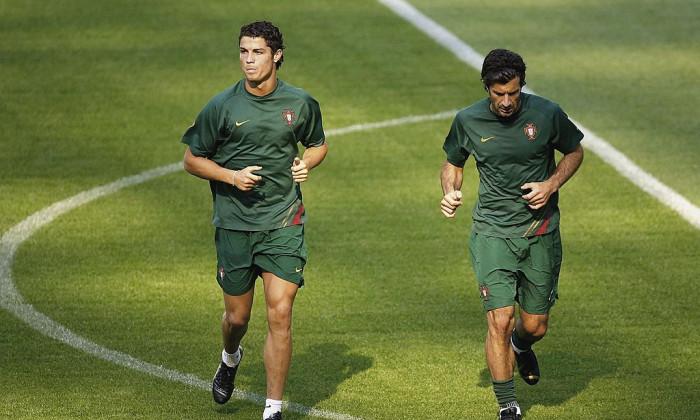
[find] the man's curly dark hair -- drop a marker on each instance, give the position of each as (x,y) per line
(501,66)
(269,32)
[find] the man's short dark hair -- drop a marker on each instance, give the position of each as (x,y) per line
(501,66)
(269,32)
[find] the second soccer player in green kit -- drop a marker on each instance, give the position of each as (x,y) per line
(514,245)
(244,141)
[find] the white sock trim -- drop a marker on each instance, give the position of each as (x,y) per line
(231,360)
(515,349)
(271,407)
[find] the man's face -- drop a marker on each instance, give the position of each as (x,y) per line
(257,59)
(505,99)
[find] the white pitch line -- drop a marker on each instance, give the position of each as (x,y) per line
(621,163)
(392,123)
(12,301)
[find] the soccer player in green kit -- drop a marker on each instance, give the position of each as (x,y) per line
(244,141)
(514,245)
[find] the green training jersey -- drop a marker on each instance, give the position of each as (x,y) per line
(236,129)
(510,152)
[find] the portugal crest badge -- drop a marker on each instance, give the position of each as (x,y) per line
(484,291)
(288,116)
(530,131)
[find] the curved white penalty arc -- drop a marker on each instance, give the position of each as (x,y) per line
(392,123)
(12,301)
(15,236)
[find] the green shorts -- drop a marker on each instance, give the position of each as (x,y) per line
(523,270)
(242,256)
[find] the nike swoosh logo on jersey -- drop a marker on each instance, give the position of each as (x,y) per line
(484,140)
(240,123)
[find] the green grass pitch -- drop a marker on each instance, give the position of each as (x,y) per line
(389,325)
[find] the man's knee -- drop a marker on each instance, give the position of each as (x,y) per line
(279,315)
(236,320)
(501,321)
(533,327)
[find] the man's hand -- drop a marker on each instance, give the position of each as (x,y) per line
(245,179)
(539,193)
(450,202)
(300,172)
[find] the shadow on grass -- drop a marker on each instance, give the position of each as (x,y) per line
(314,376)
(563,375)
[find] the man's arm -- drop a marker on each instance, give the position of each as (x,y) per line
(312,157)
(451,178)
(244,179)
(541,191)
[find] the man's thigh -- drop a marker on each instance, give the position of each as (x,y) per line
(283,253)
(495,268)
(522,270)
(538,287)
(243,255)
(236,272)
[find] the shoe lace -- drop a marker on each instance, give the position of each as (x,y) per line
(224,377)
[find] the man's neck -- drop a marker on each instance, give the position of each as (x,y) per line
(261,88)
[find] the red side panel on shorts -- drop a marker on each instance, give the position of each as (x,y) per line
(297,217)
(543,229)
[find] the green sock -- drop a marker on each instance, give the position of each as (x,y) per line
(505,391)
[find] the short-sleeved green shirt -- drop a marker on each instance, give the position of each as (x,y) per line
(236,129)
(509,153)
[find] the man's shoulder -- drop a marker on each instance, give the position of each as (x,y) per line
(293,91)
(228,93)
(540,104)
(219,101)
(476,109)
